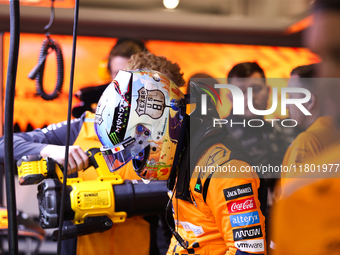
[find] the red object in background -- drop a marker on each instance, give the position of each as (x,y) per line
(44,3)
(300,25)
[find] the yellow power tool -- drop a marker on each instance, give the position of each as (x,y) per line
(94,205)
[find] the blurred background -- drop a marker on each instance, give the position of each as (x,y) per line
(202,36)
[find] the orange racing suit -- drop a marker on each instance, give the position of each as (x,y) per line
(316,140)
(306,219)
(223,215)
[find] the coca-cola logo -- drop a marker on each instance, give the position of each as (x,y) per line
(241,205)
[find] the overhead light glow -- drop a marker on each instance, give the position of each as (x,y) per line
(170,4)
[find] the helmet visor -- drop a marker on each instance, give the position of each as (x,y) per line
(118,156)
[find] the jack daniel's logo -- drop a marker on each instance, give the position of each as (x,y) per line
(238,191)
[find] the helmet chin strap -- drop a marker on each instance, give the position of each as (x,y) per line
(180,148)
(186,99)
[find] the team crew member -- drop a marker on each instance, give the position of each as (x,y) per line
(130,237)
(215,213)
(223,215)
(306,219)
(267,144)
(320,132)
(118,58)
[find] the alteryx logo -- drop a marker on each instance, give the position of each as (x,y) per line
(244,219)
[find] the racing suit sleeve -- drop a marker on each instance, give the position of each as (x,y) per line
(235,206)
(31,143)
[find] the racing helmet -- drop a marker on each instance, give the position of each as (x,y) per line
(139,118)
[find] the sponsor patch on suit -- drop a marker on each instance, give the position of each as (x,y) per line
(244,219)
(238,191)
(247,233)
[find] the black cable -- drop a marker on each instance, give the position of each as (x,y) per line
(47,27)
(70,95)
(37,72)
(174,232)
(14,7)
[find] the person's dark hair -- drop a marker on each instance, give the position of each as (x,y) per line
(306,71)
(332,5)
(126,47)
(206,78)
(245,70)
(306,74)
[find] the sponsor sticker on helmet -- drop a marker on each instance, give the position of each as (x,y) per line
(98,116)
(242,205)
(150,102)
(119,123)
(238,191)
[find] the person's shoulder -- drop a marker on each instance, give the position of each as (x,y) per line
(309,183)
(325,134)
(215,154)
(305,138)
(88,115)
(220,161)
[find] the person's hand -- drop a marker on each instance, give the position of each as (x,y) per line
(77,158)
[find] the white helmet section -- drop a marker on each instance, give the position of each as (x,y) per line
(109,101)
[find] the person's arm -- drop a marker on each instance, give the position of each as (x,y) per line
(50,142)
(77,160)
(235,205)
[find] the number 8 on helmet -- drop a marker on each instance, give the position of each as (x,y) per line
(139,117)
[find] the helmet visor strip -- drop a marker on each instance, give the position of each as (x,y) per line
(118,156)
